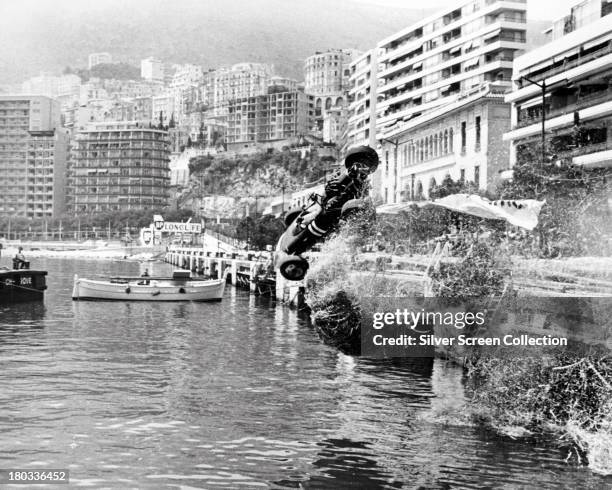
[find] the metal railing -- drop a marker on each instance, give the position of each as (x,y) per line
(581,103)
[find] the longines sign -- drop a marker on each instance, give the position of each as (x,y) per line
(174,227)
(182,227)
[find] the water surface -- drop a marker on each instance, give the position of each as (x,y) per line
(237,394)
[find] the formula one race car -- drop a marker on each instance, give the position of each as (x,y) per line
(313,222)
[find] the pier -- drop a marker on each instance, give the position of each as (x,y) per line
(246,271)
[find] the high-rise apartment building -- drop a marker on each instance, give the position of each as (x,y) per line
(186,88)
(439,59)
(53,86)
(328,72)
(33,157)
(580,15)
(230,84)
(440,107)
(361,124)
(327,76)
(568,84)
(98,59)
(119,166)
(152,69)
(362,101)
(276,116)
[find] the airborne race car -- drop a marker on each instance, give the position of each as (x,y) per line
(312,223)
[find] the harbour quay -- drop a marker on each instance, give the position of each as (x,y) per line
(247,270)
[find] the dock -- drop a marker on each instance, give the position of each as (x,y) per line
(247,271)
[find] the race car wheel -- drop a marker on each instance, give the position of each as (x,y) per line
(351,207)
(293,268)
(291,215)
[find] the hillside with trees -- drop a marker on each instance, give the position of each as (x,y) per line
(260,174)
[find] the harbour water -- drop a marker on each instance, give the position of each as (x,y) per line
(238,394)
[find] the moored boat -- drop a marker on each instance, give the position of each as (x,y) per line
(22,285)
(179,287)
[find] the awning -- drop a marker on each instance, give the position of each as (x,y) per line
(417,65)
(472,62)
(491,35)
(445,88)
(536,101)
(592,44)
(454,50)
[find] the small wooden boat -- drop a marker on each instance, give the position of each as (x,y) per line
(179,287)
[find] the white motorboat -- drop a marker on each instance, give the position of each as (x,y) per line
(179,287)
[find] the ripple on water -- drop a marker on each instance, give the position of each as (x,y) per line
(236,394)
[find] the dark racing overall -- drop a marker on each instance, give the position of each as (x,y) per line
(342,195)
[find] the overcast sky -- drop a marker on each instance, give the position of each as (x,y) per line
(536,9)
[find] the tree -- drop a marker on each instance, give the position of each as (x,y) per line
(576,218)
(161,120)
(260,232)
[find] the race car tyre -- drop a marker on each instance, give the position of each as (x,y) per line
(293,268)
(291,215)
(351,207)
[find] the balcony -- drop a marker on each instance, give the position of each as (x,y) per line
(585,150)
(568,64)
(581,103)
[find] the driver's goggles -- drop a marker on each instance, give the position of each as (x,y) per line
(362,167)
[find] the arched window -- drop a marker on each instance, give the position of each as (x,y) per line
(441,143)
(432,185)
(419,190)
(421,151)
(436,146)
(339,101)
(450,140)
(328,104)
(446,141)
(426,150)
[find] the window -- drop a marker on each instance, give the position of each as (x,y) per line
(477,175)
(477,133)
(463,136)
(462,175)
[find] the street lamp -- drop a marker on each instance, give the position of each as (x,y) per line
(543,87)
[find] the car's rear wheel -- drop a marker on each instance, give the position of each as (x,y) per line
(352,207)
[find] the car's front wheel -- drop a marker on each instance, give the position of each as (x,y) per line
(293,268)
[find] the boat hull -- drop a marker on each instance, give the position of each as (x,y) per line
(22,285)
(87,289)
